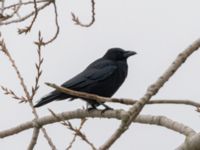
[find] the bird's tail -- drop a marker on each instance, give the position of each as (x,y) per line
(47,99)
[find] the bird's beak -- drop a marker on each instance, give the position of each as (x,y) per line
(129,53)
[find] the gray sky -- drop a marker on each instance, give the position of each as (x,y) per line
(157,30)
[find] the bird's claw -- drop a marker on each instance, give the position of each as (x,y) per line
(91,108)
(106,109)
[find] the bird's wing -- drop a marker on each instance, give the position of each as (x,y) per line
(93,74)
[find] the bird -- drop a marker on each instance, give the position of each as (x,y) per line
(103,77)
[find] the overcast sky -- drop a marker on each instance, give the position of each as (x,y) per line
(157,30)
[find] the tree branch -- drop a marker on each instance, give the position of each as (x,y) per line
(56,23)
(34,138)
(191,143)
(26,16)
(78,22)
(22,83)
(115,114)
(125,101)
(151,91)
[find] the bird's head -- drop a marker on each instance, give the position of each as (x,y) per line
(118,54)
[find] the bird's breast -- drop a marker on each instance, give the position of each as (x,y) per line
(115,80)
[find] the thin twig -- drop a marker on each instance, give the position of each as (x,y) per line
(26,16)
(2,7)
(77,132)
(28,28)
(39,43)
(75,135)
(23,3)
(57,25)
(6,52)
(15,11)
(38,66)
(28,97)
(78,22)
(13,94)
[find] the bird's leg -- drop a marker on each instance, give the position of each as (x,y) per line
(91,107)
(106,107)
(94,107)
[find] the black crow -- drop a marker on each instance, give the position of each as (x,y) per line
(102,77)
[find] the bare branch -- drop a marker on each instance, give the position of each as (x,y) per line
(39,43)
(28,97)
(190,143)
(26,16)
(6,52)
(47,137)
(23,3)
(101,99)
(15,11)
(57,25)
(28,28)
(12,94)
(78,22)
(75,135)
(77,132)
(2,7)
(117,114)
(38,66)
(34,138)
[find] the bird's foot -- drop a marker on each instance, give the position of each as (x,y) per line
(91,107)
(106,108)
